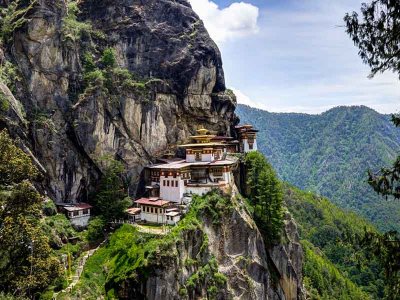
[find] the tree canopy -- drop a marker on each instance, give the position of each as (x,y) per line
(376,32)
(265,194)
(377,36)
(27,265)
(112,200)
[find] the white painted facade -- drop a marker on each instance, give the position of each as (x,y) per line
(172,189)
(190,158)
(246,146)
(172,220)
(207,157)
(152,217)
(80,220)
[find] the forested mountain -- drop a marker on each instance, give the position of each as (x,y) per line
(330,154)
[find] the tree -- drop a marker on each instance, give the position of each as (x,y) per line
(112,200)
(265,193)
(377,36)
(15,165)
(27,264)
(268,209)
(108,59)
(387,181)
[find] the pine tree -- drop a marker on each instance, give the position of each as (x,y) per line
(112,200)
(264,191)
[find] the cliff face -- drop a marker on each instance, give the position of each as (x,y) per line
(236,245)
(68,128)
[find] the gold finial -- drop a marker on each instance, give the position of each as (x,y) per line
(202,130)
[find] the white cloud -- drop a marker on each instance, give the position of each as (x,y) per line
(235,21)
(244,99)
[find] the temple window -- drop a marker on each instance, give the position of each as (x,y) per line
(198,156)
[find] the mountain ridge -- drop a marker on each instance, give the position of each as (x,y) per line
(330,154)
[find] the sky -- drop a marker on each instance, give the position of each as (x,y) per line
(294,55)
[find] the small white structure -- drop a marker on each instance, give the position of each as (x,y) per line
(133,214)
(173,217)
(156,210)
(79,213)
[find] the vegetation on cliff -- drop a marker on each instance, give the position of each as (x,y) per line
(335,263)
(131,257)
(264,192)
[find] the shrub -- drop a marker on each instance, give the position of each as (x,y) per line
(95,232)
(108,59)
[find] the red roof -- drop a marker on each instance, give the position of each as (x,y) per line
(153,202)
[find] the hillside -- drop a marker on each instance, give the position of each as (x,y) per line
(330,154)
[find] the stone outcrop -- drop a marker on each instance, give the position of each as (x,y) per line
(251,271)
(161,42)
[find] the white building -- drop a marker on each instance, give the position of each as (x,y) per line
(207,166)
(247,138)
(79,213)
(153,210)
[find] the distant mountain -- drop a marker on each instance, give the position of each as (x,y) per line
(330,154)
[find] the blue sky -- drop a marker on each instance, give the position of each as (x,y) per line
(294,56)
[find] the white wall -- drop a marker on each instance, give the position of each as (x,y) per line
(246,147)
(190,158)
(81,221)
(152,218)
(174,220)
(207,157)
(172,193)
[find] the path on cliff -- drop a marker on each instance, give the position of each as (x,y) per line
(78,271)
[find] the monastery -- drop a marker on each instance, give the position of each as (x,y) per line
(209,164)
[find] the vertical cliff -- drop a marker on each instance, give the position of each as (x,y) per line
(216,252)
(176,83)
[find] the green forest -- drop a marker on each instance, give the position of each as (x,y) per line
(330,154)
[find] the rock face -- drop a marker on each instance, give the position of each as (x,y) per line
(161,42)
(251,271)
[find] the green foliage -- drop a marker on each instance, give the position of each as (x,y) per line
(9,75)
(108,59)
(265,193)
(27,263)
(49,208)
(329,154)
(131,255)
(111,199)
(385,248)
(14,16)
(323,281)
(376,34)
(94,78)
(23,246)
(4,104)
(95,232)
(72,28)
(207,275)
(15,165)
(336,235)
(104,74)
